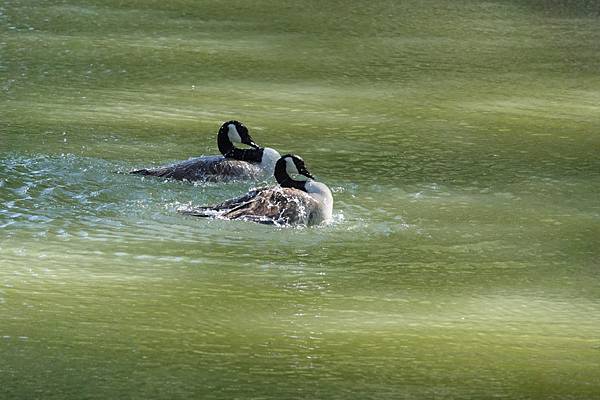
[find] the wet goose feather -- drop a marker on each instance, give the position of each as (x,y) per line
(300,201)
(210,169)
(273,206)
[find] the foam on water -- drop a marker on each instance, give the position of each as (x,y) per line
(72,196)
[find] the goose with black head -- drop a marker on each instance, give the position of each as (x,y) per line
(235,163)
(297,200)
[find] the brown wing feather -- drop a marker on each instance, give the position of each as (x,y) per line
(282,206)
(219,209)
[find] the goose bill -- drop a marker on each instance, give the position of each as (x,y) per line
(251,143)
(304,171)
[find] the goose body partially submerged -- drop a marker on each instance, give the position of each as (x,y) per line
(297,200)
(234,164)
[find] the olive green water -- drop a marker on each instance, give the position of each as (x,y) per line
(460,139)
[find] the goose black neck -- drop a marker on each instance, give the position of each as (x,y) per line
(252,155)
(225,145)
(285,180)
(230,151)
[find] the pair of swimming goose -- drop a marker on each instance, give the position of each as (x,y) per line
(297,200)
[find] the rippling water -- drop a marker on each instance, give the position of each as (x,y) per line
(460,141)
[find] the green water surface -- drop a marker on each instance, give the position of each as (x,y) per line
(461,141)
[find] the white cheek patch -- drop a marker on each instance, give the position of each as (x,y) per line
(290,167)
(233,134)
(292,171)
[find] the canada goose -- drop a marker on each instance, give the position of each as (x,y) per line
(297,200)
(235,163)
